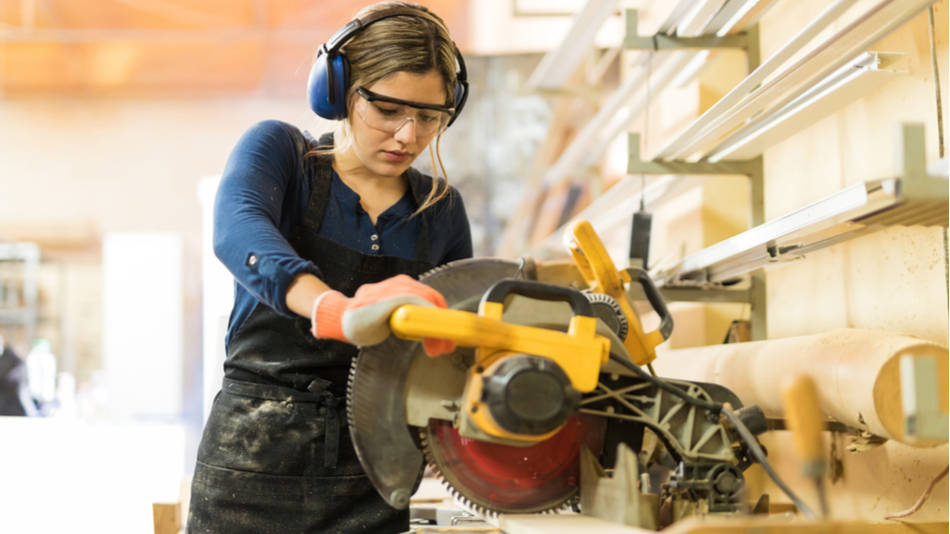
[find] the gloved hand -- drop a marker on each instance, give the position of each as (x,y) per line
(363,319)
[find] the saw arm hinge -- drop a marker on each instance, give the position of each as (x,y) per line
(602,276)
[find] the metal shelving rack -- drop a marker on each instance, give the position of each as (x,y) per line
(19,264)
(768,91)
(772,89)
(917,197)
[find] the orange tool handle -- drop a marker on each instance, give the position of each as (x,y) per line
(804,418)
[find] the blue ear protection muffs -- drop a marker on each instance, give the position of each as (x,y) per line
(330,75)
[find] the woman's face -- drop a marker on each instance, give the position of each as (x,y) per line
(389,153)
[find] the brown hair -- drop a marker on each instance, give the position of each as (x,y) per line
(416,44)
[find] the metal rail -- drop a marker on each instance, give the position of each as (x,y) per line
(918,197)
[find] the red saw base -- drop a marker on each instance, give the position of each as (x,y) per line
(510,479)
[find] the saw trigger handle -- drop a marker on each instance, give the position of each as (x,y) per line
(541,291)
(583,325)
(656,300)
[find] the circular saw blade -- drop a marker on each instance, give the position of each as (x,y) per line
(491,478)
(376,393)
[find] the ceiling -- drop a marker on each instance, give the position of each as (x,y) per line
(172,47)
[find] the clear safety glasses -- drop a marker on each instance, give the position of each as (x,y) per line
(389,114)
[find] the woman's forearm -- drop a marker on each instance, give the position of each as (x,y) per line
(302,292)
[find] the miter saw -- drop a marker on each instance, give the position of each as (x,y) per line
(546,373)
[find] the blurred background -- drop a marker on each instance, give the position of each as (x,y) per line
(117,116)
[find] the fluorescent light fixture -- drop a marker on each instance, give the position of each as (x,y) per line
(691,69)
(825,97)
(744,9)
(678,13)
(614,116)
(607,213)
(756,247)
(698,127)
(855,210)
(753,95)
(557,66)
(696,20)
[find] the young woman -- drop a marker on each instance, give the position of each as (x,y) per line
(324,239)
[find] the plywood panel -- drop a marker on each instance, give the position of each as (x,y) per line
(871,484)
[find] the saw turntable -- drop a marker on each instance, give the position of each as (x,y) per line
(544,395)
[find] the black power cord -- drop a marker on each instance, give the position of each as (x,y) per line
(717,408)
(759,455)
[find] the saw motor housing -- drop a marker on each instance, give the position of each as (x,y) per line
(518,398)
(524,398)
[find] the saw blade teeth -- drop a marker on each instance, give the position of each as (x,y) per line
(465,502)
(456,495)
(431,272)
(350,380)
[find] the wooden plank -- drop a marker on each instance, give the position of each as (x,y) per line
(784,525)
(856,372)
(166,517)
(579,524)
(562,524)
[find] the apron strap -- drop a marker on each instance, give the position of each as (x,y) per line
(318,169)
(331,444)
(422,243)
(272,392)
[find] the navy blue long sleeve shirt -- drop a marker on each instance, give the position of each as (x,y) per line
(263,195)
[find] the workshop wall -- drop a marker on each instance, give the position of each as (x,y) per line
(894,280)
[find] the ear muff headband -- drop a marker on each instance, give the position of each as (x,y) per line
(330,74)
(461,85)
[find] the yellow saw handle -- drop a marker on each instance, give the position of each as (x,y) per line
(602,276)
(580,352)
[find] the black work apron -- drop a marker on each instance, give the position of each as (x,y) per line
(275,455)
(15,398)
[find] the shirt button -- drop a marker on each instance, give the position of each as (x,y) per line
(251,260)
(374,237)
(375,247)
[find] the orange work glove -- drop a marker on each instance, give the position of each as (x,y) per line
(363,319)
